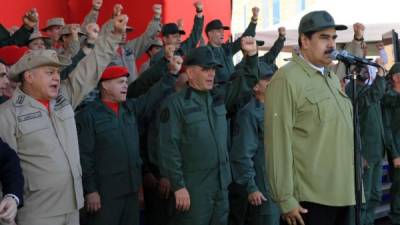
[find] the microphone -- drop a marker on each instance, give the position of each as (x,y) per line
(348,58)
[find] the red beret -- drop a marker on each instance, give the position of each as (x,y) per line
(113,72)
(10,55)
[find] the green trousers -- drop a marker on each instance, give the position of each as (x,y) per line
(372,181)
(207,207)
(123,210)
(395,194)
(241,212)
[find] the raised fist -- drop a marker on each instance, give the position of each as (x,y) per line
(93,32)
(175,64)
(157,9)
(96,4)
(31,18)
(120,23)
(169,51)
(255,11)
(358,30)
(282,31)
(198,5)
(117,10)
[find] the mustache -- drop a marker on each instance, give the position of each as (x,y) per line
(329,51)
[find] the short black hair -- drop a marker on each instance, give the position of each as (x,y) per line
(308,34)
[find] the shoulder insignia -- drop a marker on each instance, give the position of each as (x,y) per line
(20,99)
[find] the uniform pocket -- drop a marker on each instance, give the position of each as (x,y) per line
(324,106)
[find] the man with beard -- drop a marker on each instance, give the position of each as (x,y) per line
(309,132)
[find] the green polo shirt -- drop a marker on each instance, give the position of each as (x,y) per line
(308,138)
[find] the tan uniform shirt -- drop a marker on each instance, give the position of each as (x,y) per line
(47,143)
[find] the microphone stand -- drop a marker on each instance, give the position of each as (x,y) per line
(357,147)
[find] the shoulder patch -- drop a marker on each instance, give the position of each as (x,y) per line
(164,116)
(20,99)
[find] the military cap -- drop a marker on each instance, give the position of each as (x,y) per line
(171,28)
(37,35)
(37,58)
(155,42)
(215,24)
(57,21)
(66,30)
(202,56)
(113,72)
(394,69)
(10,55)
(317,21)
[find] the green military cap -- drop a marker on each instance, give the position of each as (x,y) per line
(56,21)
(394,69)
(36,58)
(202,56)
(317,21)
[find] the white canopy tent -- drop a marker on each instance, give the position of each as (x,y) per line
(379,17)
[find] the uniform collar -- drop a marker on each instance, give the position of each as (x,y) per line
(310,69)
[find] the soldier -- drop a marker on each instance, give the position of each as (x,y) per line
(130,50)
(155,46)
(372,137)
(41,128)
(53,29)
(109,146)
(309,131)
(12,183)
(391,116)
(4,82)
(193,144)
(224,52)
(247,159)
(171,35)
(38,41)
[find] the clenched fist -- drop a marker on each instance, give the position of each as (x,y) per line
(157,9)
(120,23)
(175,64)
(117,10)
(96,4)
(31,18)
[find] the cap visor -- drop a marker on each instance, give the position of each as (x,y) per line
(213,64)
(260,43)
(182,32)
(341,27)
(226,28)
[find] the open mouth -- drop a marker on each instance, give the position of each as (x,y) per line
(54,87)
(123,92)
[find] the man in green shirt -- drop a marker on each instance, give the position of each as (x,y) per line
(391,119)
(251,204)
(193,144)
(372,137)
(309,131)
